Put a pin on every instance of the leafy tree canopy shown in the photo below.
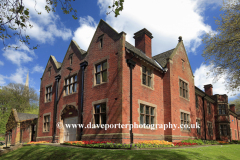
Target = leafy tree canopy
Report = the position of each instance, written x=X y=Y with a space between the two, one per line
x=15 y=17
x=237 y=103
x=222 y=49
x=19 y=97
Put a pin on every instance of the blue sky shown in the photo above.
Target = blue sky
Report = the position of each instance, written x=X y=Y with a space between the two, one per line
x=166 y=20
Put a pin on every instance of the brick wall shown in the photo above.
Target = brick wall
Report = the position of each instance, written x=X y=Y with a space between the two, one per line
x=164 y=95
x=109 y=92
x=234 y=127
x=179 y=103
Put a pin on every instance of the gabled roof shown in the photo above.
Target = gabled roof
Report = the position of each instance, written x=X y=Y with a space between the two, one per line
x=26 y=116
x=16 y=117
x=143 y=56
x=107 y=29
x=22 y=116
x=57 y=64
x=80 y=50
x=163 y=57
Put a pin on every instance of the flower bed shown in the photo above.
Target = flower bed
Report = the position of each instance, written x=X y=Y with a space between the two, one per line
x=108 y=144
x=39 y=142
x=97 y=144
x=223 y=142
x=153 y=144
x=184 y=144
x=201 y=142
x=142 y=144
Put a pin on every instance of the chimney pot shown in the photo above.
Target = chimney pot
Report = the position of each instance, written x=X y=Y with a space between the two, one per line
x=232 y=108
x=208 y=89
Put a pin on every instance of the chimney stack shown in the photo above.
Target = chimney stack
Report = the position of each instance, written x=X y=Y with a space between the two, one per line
x=208 y=89
x=143 y=41
x=232 y=108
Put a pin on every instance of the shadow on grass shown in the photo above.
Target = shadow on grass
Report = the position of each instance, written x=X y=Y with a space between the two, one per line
x=55 y=153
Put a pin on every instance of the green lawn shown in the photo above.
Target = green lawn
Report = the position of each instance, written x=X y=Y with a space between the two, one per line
x=58 y=153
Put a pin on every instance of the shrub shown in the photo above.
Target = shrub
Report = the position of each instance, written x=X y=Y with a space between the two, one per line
x=211 y=142
x=235 y=142
x=2 y=139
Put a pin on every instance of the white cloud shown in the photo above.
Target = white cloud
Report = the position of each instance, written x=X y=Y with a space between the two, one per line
x=19 y=76
x=166 y=20
x=83 y=35
x=46 y=26
x=22 y=55
x=1 y=63
x=203 y=77
x=37 y=68
x=2 y=80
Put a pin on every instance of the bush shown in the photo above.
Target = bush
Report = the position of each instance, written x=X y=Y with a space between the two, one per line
x=235 y=142
x=210 y=142
x=2 y=139
x=201 y=142
x=198 y=141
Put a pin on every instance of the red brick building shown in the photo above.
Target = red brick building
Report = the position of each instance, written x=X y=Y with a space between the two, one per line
x=21 y=127
x=234 y=127
x=205 y=114
x=114 y=82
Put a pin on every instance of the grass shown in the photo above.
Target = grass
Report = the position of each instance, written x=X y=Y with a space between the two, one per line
x=51 y=152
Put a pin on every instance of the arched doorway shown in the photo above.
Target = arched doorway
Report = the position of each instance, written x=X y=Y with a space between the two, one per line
x=69 y=117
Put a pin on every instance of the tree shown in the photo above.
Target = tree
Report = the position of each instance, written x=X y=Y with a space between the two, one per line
x=222 y=49
x=15 y=17
x=237 y=103
x=19 y=97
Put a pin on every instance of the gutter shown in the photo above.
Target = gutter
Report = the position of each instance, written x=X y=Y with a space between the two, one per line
x=164 y=69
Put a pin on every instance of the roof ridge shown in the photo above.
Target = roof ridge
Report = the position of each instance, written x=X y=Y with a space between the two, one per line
x=27 y=113
x=163 y=52
x=139 y=50
x=143 y=56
